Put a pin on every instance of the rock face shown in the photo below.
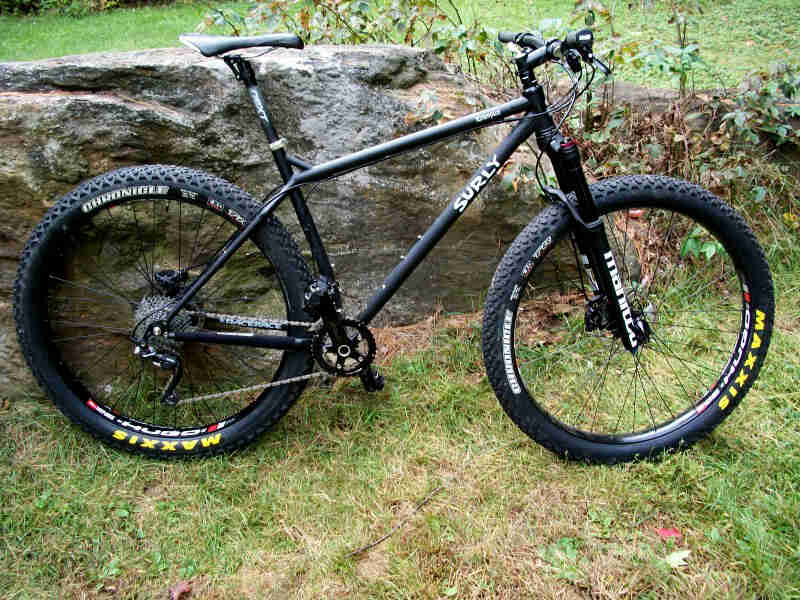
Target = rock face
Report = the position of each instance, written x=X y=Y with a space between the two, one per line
x=65 y=120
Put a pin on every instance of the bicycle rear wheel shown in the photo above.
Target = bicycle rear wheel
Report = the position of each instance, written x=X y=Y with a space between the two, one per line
x=108 y=260
x=691 y=268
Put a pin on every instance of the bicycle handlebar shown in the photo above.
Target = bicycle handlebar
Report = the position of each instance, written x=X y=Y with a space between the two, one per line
x=580 y=41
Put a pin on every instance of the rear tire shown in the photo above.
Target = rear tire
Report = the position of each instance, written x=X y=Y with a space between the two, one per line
x=690 y=265
x=95 y=272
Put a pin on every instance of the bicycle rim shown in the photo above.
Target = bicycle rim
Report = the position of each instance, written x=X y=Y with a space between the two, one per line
x=108 y=277
x=680 y=277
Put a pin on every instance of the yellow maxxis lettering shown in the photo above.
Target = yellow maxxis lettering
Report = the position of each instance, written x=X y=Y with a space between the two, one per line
x=749 y=363
x=211 y=440
x=760 y=317
x=756 y=341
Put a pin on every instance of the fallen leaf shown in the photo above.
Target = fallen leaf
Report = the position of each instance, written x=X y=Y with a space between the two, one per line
x=180 y=591
x=677 y=559
x=666 y=533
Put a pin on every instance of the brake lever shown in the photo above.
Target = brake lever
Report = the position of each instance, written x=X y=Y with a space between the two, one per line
x=601 y=65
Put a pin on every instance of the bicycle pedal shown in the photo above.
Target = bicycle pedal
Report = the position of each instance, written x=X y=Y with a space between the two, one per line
x=372 y=380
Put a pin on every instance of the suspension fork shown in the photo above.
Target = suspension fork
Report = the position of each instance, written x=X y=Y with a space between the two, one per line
x=590 y=235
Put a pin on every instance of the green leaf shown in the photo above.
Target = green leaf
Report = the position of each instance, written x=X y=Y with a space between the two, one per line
x=451 y=591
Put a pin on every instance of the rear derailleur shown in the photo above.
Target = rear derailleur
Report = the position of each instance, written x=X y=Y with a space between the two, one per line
x=341 y=346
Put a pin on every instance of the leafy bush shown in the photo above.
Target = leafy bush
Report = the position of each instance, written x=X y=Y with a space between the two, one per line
x=71 y=8
x=19 y=6
x=770 y=106
x=411 y=22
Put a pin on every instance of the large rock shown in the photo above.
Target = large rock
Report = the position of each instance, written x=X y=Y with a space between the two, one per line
x=65 y=120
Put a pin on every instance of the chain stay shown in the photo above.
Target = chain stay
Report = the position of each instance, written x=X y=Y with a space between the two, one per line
x=254 y=322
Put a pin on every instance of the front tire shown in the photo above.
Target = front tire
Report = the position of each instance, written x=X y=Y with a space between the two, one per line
x=690 y=266
x=107 y=260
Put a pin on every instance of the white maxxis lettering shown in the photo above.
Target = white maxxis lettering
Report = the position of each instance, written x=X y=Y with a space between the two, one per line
x=740 y=347
x=476 y=185
x=139 y=190
x=508 y=359
x=526 y=270
x=178 y=433
x=622 y=301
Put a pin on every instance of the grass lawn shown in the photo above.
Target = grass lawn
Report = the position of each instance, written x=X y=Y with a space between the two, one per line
x=49 y=35
x=503 y=519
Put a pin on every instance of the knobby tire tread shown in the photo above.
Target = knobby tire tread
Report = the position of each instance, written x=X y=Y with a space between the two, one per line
x=552 y=221
x=295 y=269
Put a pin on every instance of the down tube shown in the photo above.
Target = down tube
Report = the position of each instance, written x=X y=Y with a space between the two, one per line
x=480 y=178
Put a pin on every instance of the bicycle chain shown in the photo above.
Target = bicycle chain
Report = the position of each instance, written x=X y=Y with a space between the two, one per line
x=251 y=388
x=256 y=323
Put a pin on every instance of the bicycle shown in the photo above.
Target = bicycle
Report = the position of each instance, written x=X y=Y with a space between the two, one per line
x=136 y=332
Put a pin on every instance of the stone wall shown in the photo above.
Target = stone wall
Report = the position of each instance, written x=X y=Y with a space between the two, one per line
x=68 y=119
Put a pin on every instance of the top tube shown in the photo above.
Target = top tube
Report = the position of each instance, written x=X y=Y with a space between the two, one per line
x=411 y=141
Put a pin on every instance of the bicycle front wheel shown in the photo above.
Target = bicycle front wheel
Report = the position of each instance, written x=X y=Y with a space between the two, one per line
x=691 y=269
x=108 y=261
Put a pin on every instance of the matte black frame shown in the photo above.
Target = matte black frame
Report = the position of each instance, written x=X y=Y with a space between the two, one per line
x=536 y=119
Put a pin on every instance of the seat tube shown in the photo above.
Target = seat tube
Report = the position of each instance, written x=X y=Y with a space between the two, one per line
x=244 y=72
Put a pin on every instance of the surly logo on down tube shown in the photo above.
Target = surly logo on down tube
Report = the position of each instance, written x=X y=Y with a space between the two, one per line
x=476 y=185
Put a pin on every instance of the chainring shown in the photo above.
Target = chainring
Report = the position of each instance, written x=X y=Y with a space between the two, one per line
x=350 y=357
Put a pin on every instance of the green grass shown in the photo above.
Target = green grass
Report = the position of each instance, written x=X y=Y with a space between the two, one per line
x=509 y=520
x=735 y=37
x=51 y=35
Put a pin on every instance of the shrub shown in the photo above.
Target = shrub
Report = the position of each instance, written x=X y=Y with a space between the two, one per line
x=72 y=8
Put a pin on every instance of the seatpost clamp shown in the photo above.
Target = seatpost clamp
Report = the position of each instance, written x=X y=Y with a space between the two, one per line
x=242 y=69
x=278 y=144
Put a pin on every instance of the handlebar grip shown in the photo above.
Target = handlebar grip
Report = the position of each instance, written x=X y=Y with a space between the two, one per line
x=506 y=36
x=528 y=40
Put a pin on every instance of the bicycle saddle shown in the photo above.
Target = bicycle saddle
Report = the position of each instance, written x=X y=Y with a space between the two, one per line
x=214 y=45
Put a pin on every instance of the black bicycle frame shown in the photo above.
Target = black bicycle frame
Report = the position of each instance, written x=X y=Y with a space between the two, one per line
x=562 y=152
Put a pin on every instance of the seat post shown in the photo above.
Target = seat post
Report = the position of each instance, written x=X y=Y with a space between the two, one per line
x=243 y=71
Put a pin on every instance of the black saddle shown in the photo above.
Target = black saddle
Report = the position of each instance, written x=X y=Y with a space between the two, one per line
x=214 y=45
